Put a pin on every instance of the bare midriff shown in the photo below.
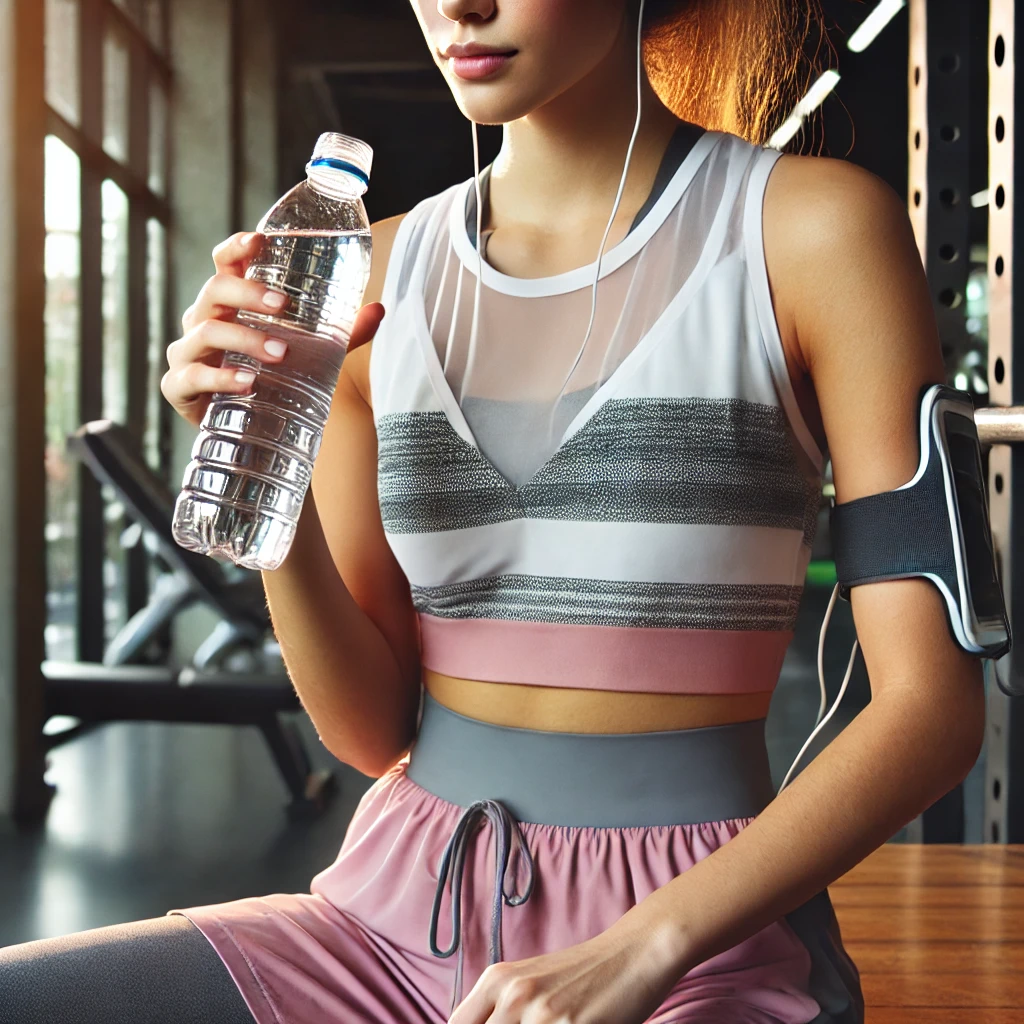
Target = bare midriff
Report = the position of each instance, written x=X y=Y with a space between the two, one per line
x=559 y=709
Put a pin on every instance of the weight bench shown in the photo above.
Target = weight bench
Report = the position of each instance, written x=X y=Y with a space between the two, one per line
x=113 y=456
x=95 y=693
x=119 y=689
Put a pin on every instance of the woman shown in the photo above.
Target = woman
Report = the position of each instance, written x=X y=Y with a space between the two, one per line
x=597 y=612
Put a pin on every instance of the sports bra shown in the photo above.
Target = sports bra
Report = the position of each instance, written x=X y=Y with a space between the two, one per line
x=662 y=545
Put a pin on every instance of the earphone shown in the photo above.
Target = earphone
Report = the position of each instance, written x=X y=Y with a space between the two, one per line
x=604 y=239
x=615 y=205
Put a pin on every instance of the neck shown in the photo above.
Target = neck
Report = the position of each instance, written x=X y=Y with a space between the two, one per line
x=562 y=163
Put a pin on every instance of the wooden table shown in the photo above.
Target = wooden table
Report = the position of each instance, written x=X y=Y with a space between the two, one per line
x=937 y=932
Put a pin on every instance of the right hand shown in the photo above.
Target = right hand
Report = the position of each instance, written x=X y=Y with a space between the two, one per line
x=194 y=372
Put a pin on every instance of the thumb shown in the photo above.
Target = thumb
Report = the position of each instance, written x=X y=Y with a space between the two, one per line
x=365 y=327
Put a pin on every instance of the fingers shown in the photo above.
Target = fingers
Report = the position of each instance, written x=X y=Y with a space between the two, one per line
x=213 y=335
x=482 y=1001
x=193 y=362
x=366 y=323
x=224 y=294
x=199 y=381
x=237 y=251
x=209 y=327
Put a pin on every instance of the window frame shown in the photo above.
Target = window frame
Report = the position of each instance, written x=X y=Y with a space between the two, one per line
x=147 y=67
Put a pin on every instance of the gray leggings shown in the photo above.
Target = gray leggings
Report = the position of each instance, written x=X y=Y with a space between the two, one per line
x=159 y=971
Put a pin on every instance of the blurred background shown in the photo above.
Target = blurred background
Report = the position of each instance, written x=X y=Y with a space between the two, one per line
x=152 y=752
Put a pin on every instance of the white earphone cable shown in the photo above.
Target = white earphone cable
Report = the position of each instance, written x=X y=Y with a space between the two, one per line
x=479 y=240
x=455 y=316
x=440 y=287
x=611 y=219
x=821 y=681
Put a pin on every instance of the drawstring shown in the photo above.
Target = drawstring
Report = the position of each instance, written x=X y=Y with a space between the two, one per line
x=507 y=836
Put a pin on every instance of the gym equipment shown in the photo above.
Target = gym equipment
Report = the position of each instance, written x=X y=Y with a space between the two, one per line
x=203 y=692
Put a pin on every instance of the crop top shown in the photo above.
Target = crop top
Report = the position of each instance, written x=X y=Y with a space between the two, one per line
x=661 y=544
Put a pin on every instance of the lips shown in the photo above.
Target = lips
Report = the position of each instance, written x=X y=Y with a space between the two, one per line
x=473 y=61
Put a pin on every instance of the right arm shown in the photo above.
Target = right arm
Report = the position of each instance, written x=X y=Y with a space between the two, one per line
x=340 y=603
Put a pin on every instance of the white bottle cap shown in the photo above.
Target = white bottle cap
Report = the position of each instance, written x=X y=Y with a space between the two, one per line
x=343 y=153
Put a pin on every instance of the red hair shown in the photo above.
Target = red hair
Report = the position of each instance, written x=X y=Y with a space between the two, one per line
x=738 y=66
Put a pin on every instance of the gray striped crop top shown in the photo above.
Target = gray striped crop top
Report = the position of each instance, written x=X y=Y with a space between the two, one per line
x=661 y=544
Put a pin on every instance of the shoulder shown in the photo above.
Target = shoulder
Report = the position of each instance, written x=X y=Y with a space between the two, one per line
x=384 y=234
x=849 y=278
x=828 y=205
x=835 y=235
x=384 y=231
x=356 y=364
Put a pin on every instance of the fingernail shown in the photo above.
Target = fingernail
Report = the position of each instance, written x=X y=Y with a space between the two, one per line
x=249 y=238
x=274 y=299
x=275 y=348
x=245 y=376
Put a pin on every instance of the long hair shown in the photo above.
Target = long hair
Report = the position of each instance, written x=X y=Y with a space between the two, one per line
x=737 y=66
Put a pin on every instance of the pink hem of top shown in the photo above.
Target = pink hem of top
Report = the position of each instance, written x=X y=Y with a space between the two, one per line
x=623 y=658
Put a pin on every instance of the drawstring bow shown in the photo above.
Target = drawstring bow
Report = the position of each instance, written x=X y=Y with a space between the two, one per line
x=508 y=841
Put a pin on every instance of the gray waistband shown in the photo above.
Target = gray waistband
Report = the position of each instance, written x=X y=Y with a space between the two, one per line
x=681 y=777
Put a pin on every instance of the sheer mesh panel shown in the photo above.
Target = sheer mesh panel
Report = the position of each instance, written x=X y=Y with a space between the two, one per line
x=526 y=344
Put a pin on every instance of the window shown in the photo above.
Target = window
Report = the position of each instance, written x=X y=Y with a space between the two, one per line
x=107 y=218
x=63 y=311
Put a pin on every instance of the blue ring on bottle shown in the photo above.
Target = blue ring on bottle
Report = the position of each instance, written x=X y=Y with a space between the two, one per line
x=341 y=165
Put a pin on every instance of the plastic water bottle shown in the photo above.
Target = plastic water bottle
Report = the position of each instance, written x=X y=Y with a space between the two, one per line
x=253 y=460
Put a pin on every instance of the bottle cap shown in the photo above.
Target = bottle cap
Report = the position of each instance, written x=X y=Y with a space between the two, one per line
x=343 y=153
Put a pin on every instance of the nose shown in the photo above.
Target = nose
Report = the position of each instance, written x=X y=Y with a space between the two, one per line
x=463 y=10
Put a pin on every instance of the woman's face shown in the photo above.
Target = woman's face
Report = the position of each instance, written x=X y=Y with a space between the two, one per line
x=503 y=59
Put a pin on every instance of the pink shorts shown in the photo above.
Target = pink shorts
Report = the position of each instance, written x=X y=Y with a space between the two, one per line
x=557 y=817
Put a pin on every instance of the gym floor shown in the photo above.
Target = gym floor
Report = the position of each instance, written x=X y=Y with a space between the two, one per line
x=150 y=817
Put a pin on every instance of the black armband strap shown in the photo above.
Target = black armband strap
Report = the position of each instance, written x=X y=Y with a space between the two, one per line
x=894 y=535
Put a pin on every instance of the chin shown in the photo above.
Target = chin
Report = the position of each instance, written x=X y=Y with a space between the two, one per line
x=492 y=113
x=494 y=103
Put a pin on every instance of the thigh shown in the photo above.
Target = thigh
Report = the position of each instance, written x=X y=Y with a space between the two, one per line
x=298 y=958
x=794 y=971
x=159 y=971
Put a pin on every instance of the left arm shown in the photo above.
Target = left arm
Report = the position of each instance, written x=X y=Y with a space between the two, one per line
x=849 y=286
x=862 y=312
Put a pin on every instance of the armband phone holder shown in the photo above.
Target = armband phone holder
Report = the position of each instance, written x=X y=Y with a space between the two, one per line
x=936 y=526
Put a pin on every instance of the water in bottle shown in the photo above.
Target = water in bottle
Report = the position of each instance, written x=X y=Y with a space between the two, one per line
x=253 y=459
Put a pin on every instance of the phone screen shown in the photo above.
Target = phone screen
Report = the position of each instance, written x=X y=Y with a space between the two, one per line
x=965 y=457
